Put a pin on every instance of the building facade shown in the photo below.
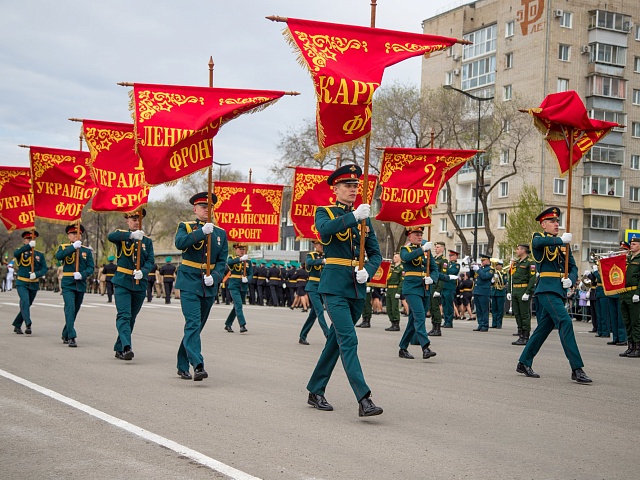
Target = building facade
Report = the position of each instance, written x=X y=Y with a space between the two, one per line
x=529 y=49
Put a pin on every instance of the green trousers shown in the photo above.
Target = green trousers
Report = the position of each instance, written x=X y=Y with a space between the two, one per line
x=393 y=304
x=630 y=315
x=446 y=299
x=237 y=296
x=128 y=305
x=418 y=306
x=436 y=316
x=497 y=310
x=316 y=311
x=196 y=312
x=26 y=296
x=72 y=303
x=522 y=311
x=342 y=342
x=367 y=310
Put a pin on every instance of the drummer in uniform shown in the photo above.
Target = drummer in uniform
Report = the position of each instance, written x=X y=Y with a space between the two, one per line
x=27 y=280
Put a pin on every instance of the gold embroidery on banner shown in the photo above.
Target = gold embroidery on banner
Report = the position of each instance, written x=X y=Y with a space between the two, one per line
x=243 y=101
x=7 y=176
x=101 y=139
x=151 y=103
x=305 y=182
x=320 y=48
x=45 y=161
x=616 y=276
x=412 y=47
x=225 y=193
x=274 y=197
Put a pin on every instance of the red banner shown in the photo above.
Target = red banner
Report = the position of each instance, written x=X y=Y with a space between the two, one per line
x=379 y=279
x=311 y=190
x=562 y=115
x=175 y=125
x=411 y=179
x=346 y=64
x=613 y=272
x=62 y=185
x=249 y=212
x=115 y=167
x=16 y=198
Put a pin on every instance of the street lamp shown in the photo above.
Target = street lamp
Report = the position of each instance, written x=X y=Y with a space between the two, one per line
x=220 y=169
x=477 y=160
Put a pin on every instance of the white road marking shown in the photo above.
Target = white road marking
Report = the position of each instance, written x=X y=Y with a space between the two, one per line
x=140 y=432
x=38 y=304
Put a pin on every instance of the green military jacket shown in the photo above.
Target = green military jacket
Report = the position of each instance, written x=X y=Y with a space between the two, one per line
x=414 y=264
x=446 y=268
x=632 y=280
x=548 y=251
x=395 y=279
x=126 y=257
x=340 y=234
x=22 y=267
x=67 y=255
x=500 y=284
x=239 y=269
x=314 y=264
x=193 y=242
x=523 y=276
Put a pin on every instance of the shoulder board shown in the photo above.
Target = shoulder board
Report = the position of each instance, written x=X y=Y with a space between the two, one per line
x=65 y=245
x=219 y=228
x=121 y=230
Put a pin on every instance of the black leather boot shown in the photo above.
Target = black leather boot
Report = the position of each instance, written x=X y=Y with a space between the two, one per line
x=395 y=327
x=517 y=334
x=631 y=346
x=365 y=323
x=636 y=351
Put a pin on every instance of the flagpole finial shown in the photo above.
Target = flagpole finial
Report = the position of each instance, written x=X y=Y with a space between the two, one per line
x=276 y=18
x=125 y=84
x=23 y=146
x=73 y=119
x=294 y=94
x=211 y=61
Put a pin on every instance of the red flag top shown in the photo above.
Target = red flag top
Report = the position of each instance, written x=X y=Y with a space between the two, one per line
x=175 y=125
x=346 y=64
x=564 y=112
x=16 y=198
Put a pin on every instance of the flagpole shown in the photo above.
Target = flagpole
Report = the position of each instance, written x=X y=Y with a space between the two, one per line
x=433 y=135
x=33 y=229
x=78 y=221
x=139 y=242
x=568 y=226
x=365 y=169
x=209 y=184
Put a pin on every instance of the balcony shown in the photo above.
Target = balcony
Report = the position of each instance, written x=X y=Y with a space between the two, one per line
x=602 y=202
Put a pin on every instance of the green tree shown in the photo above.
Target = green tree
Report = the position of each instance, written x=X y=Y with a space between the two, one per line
x=521 y=222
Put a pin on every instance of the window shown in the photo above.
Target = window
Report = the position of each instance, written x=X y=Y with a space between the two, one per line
x=607 y=87
x=508 y=60
x=636 y=64
x=634 y=162
x=633 y=224
x=503 y=190
x=563 y=84
x=506 y=125
x=290 y=243
x=609 y=116
x=602 y=186
x=484 y=41
x=444 y=195
x=502 y=220
x=443 y=225
x=611 y=54
x=635 y=129
x=506 y=92
x=634 y=194
x=564 y=52
x=606 y=154
x=508 y=29
x=566 y=20
x=559 y=186
x=465 y=220
x=636 y=97
x=478 y=73
x=561 y=220
x=504 y=157
x=448 y=78
x=638 y=32
x=602 y=221
x=305 y=244
x=610 y=21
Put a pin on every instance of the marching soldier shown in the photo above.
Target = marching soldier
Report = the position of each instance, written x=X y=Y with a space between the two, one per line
x=394 y=287
x=448 y=281
x=436 y=301
x=551 y=292
x=630 y=300
x=241 y=270
x=343 y=287
x=482 y=292
x=414 y=288
x=151 y=282
x=314 y=264
x=130 y=283
x=110 y=270
x=523 y=280
x=498 y=295
x=197 y=289
x=74 y=281
x=168 y=273
x=275 y=285
x=27 y=282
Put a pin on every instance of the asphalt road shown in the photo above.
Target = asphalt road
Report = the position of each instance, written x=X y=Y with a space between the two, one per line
x=465 y=413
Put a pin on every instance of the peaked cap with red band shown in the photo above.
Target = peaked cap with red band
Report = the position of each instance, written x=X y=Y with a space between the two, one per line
x=415 y=228
x=28 y=234
x=345 y=174
x=200 y=198
x=551 y=212
x=74 y=229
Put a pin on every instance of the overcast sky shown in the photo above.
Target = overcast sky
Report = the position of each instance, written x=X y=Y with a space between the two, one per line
x=63 y=58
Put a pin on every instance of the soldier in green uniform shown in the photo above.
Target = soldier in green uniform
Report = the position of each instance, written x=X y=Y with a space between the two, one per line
x=343 y=287
x=414 y=288
x=551 y=292
x=394 y=287
x=436 y=314
x=523 y=280
x=74 y=280
x=447 y=284
x=482 y=292
x=27 y=280
x=197 y=289
x=314 y=264
x=129 y=282
x=109 y=271
x=241 y=271
x=630 y=300
x=498 y=295
x=367 y=310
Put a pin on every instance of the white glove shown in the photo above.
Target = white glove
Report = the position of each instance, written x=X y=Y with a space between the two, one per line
x=77 y=276
x=397 y=295
x=208 y=280
x=566 y=283
x=32 y=244
x=324 y=260
x=495 y=276
x=362 y=211
x=595 y=268
x=509 y=296
x=476 y=267
x=244 y=258
x=453 y=277
x=368 y=289
x=427 y=246
x=245 y=280
x=32 y=275
x=635 y=299
x=77 y=244
x=284 y=285
x=266 y=280
x=436 y=294
x=428 y=280
x=586 y=281
x=137 y=235
x=567 y=237
x=525 y=297
x=493 y=280
x=361 y=275
x=137 y=274
x=207 y=228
